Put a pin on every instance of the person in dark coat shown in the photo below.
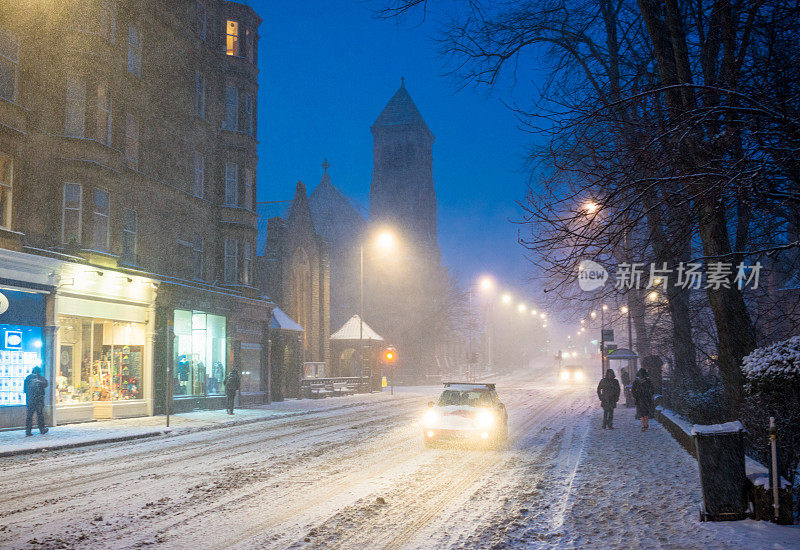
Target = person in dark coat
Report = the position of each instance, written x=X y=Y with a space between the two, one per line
x=232 y=382
x=34 y=387
x=642 y=390
x=608 y=392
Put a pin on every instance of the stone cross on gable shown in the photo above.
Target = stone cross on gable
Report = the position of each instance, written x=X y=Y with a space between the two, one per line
x=325 y=166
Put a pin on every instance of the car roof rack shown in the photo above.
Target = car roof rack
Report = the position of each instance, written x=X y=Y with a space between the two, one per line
x=484 y=384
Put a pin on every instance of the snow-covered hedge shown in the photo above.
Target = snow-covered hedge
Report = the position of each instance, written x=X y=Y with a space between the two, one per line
x=774 y=364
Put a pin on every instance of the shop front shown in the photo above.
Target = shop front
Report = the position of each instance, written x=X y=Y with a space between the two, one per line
x=104 y=346
x=22 y=347
x=202 y=333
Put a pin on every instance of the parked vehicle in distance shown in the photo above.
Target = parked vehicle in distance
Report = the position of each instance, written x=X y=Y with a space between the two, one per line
x=466 y=413
x=573 y=374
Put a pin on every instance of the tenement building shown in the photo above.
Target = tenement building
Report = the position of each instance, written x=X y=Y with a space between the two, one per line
x=127 y=206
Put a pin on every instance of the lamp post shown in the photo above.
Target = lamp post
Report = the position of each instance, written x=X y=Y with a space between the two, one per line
x=385 y=241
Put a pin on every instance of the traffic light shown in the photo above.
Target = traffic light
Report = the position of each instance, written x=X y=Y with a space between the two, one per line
x=389 y=355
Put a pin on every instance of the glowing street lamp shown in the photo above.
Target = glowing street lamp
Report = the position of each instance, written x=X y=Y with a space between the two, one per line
x=521 y=308
x=506 y=299
x=593 y=314
x=624 y=309
x=486 y=283
x=653 y=296
x=591 y=207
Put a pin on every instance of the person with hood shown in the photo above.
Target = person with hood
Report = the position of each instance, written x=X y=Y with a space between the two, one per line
x=232 y=382
x=608 y=392
x=34 y=387
x=642 y=390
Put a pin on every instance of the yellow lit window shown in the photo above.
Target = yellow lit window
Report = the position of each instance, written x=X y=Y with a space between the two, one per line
x=233 y=38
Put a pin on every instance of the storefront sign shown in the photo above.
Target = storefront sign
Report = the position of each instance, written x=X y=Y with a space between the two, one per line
x=21 y=308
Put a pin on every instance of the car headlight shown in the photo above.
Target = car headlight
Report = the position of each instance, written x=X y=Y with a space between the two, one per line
x=485 y=419
x=430 y=418
x=565 y=375
x=578 y=375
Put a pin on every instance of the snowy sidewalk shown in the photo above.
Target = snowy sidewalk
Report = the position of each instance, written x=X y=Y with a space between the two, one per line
x=14 y=442
x=642 y=489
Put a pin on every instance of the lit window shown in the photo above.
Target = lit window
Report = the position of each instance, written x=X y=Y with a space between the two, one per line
x=231 y=261
x=9 y=63
x=247 y=264
x=75 y=111
x=132 y=141
x=201 y=24
x=231 y=184
x=130 y=223
x=199 y=174
x=232 y=43
x=100 y=220
x=135 y=51
x=6 y=179
x=71 y=216
x=248 y=188
x=104 y=106
x=197 y=257
x=249 y=119
x=231 y=121
x=200 y=94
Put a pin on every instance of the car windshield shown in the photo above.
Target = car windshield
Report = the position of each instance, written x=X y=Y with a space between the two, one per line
x=469 y=398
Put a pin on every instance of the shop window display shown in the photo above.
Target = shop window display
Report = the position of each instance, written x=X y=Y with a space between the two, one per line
x=20 y=351
x=99 y=360
x=200 y=354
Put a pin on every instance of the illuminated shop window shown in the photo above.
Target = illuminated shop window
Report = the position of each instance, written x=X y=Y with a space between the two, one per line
x=20 y=351
x=99 y=360
x=200 y=354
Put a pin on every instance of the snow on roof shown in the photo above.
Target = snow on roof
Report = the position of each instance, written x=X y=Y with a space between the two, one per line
x=281 y=321
x=726 y=428
x=468 y=387
x=352 y=330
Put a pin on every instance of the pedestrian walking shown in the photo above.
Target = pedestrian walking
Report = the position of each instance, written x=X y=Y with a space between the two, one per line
x=232 y=382
x=608 y=392
x=642 y=390
x=34 y=387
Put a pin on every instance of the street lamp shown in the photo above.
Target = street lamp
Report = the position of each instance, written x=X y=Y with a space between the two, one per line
x=386 y=242
x=506 y=299
x=486 y=283
x=521 y=308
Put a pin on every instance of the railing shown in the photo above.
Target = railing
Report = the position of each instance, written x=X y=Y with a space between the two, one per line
x=323 y=387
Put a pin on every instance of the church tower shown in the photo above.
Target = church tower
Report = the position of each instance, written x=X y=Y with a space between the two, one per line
x=402 y=193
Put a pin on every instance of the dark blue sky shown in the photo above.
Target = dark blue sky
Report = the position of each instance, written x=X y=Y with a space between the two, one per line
x=328 y=69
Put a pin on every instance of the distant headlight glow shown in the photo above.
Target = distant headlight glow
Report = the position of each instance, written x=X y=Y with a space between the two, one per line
x=485 y=419
x=565 y=375
x=578 y=375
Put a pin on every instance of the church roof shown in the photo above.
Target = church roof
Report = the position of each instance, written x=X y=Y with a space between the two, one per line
x=351 y=330
x=334 y=215
x=401 y=110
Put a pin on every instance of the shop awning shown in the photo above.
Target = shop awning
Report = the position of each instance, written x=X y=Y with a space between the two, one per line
x=621 y=353
x=352 y=330
x=281 y=321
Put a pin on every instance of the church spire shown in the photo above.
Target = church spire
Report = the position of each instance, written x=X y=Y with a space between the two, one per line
x=401 y=112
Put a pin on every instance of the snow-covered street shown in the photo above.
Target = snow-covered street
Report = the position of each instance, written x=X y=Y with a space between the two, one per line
x=359 y=477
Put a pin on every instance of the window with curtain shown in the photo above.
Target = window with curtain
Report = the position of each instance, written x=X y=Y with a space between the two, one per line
x=101 y=215
x=231 y=261
x=132 y=141
x=247 y=264
x=6 y=190
x=248 y=189
x=231 y=121
x=130 y=222
x=104 y=107
x=135 y=51
x=75 y=108
x=199 y=174
x=9 y=65
x=231 y=184
x=71 y=215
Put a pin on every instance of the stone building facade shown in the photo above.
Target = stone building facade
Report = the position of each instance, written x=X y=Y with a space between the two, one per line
x=295 y=273
x=127 y=185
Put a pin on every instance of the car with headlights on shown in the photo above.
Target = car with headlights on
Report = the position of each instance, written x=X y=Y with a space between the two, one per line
x=572 y=374
x=466 y=413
